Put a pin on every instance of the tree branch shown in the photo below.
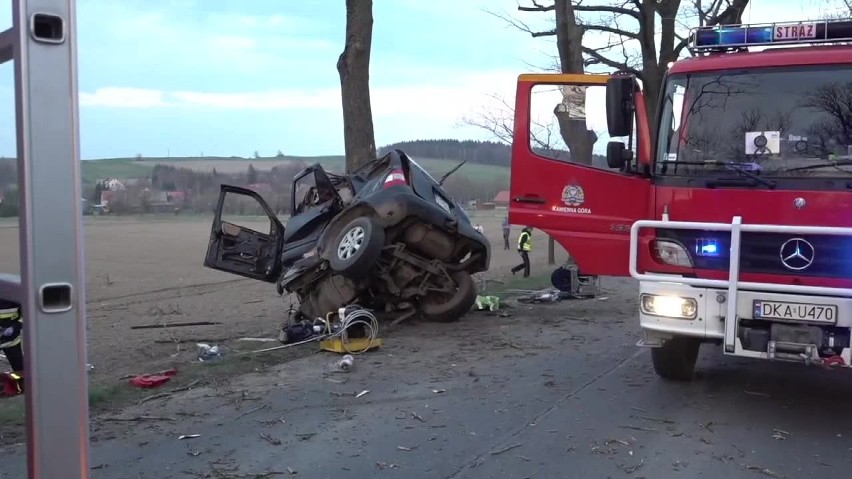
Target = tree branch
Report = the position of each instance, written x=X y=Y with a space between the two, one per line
x=602 y=9
x=610 y=63
x=537 y=7
x=613 y=30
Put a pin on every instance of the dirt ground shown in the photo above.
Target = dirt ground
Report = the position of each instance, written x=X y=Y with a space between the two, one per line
x=148 y=271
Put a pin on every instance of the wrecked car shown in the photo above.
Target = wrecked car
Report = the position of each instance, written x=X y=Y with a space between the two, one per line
x=386 y=236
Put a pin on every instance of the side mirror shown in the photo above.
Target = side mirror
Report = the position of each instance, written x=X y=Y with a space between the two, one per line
x=620 y=91
x=617 y=156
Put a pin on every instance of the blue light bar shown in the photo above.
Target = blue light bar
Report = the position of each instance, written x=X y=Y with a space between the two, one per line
x=727 y=37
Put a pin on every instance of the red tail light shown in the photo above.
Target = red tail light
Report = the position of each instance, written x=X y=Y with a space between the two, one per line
x=395 y=178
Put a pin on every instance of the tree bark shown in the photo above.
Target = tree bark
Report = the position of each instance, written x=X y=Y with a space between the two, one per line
x=353 y=66
x=569 y=42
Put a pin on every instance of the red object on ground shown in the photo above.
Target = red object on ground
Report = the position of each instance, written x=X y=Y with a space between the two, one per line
x=146 y=381
x=833 y=361
x=10 y=386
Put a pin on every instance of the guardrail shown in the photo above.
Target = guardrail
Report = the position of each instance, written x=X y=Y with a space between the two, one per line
x=733 y=283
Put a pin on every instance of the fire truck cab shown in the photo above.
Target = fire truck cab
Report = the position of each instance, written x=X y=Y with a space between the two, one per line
x=733 y=208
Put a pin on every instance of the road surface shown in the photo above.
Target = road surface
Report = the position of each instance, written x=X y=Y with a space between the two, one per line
x=551 y=391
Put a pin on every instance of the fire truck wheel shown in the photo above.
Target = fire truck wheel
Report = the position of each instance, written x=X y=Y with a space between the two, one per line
x=675 y=360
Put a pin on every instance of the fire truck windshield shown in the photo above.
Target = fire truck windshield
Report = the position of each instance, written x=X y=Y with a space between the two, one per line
x=773 y=123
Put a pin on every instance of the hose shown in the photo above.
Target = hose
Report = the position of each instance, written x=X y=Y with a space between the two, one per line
x=352 y=315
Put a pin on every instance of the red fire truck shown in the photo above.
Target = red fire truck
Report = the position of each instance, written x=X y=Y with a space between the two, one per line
x=735 y=214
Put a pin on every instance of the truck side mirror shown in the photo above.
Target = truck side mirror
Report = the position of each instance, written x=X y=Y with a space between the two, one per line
x=617 y=156
x=620 y=91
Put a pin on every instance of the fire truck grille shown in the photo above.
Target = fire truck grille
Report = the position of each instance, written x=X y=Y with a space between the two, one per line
x=821 y=256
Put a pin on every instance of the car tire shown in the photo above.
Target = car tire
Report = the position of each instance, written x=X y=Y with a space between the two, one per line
x=445 y=308
x=356 y=248
x=675 y=359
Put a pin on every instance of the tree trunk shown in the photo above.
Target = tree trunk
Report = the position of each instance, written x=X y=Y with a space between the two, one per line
x=353 y=66
x=569 y=42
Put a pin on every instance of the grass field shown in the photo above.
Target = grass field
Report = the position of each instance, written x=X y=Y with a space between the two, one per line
x=131 y=167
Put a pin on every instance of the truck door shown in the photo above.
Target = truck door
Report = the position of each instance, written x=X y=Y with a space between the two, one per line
x=560 y=181
x=246 y=237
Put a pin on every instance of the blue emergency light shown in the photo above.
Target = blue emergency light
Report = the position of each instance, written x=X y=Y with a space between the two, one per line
x=707 y=247
x=726 y=37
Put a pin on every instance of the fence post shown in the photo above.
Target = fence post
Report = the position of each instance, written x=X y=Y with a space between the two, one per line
x=551 y=253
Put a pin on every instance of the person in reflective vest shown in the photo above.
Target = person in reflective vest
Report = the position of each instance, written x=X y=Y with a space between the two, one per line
x=11 y=323
x=524 y=249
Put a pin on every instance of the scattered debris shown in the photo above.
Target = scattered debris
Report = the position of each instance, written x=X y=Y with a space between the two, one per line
x=270 y=439
x=306 y=436
x=490 y=303
x=439 y=391
x=169 y=393
x=781 y=434
x=763 y=470
x=176 y=325
x=657 y=419
x=403 y=448
x=384 y=465
x=345 y=363
x=755 y=393
x=207 y=352
x=417 y=416
x=291 y=471
x=188 y=436
x=253 y=410
x=706 y=426
x=140 y=418
x=638 y=428
x=146 y=381
x=633 y=468
x=506 y=449
x=362 y=393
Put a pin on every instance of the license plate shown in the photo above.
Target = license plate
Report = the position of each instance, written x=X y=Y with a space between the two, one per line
x=822 y=313
x=801 y=31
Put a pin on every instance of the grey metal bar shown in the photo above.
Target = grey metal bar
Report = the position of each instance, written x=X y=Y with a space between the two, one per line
x=52 y=281
x=10 y=287
x=7 y=45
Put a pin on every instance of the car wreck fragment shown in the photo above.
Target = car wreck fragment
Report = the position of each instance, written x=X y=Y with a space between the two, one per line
x=385 y=236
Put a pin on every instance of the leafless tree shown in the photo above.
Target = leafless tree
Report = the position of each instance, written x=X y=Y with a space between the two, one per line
x=630 y=27
x=353 y=66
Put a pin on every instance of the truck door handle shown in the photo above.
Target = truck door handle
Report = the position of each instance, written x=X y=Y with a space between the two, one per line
x=530 y=199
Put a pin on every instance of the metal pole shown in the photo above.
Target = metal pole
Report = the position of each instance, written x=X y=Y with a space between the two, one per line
x=551 y=253
x=51 y=286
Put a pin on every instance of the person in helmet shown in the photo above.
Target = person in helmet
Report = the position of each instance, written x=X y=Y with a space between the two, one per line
x=11 y=324
x=524 y=249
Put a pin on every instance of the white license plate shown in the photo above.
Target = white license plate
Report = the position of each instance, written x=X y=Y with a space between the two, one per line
x=822 y=313
x=801 y=31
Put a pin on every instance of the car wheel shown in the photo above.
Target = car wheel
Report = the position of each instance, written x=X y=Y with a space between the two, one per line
x=447 y=307
x=356 y=248
x=675 y=359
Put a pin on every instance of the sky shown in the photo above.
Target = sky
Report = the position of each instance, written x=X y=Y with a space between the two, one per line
x=235 y=77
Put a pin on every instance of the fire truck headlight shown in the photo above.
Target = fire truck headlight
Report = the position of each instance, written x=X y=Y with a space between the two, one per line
x=671 y=252
x=668 y=306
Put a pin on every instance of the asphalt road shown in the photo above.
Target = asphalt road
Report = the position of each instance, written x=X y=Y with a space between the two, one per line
x=556 y=391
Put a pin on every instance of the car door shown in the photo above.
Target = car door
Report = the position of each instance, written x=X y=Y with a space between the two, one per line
x=560 y=182
x=242 y=244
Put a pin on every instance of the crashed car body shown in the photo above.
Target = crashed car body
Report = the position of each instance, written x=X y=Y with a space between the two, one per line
x=386 y=236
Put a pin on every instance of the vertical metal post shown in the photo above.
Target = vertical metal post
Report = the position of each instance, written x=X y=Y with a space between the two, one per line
x=733 y=278
x=551 y=250
x=51 y=291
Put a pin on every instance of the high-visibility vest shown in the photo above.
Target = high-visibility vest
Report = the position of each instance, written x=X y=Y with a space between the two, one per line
x=525 y=242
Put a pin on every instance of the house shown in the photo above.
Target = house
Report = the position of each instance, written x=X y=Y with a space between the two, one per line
x=502 y=199
x=175 y=196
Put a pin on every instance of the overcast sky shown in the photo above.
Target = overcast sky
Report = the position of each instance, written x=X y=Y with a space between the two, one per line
x=230 y=77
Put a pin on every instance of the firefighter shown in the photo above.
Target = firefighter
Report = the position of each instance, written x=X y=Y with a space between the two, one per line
x=11 y=323
x=524 y=249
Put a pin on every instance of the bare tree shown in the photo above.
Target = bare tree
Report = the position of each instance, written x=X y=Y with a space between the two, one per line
x=353 y=66
x=629 y=25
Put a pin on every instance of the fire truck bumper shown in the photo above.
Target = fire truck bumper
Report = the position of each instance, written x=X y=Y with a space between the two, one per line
x=780 y=326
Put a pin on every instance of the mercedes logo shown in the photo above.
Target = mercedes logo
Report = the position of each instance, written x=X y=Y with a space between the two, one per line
x=799 y=203
x=797 y=254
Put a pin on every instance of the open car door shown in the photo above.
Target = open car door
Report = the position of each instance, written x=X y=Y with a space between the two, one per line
x=244 y=244
x=561 y=183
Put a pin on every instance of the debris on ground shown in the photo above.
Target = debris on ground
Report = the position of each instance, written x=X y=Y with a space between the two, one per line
x=207 y=352
x=490 y=303
x=362 y=393
x=344 y=364
x=188 y=436
x=147 y=381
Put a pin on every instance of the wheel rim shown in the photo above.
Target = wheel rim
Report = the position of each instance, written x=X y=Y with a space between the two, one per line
x=351 y=243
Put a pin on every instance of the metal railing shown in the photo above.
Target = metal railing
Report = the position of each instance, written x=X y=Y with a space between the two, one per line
x=733 y=283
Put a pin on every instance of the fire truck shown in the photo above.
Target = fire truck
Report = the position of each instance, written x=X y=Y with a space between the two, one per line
x=733 y=210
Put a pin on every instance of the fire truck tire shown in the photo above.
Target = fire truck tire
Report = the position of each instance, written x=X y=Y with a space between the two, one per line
x=675 y=360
